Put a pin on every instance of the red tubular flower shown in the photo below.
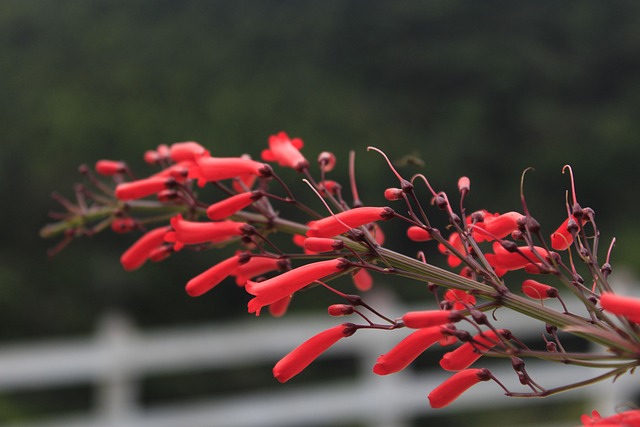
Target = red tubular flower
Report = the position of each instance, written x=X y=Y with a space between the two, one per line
x=231 y=205
x=418 y=234
x=140 y=251
x=624 y=419
x=515 y=260
x=536 y=290
x=362 y=280
x=302 y=356
x=244 y=182
x=562 y=238
x=192 y=233
x=459 y=298
x=619 y=305
x=322 y=244
x=280 y=307
x=298 y=240
x=345 y=221
x=256 y=266
x=271 y=290
x=189 y=150
x=454 y=240
x=142 y=187
x=161 y=253
x=457 y=384
x=534 y=268
x=110 y=167
x=464 y=356
x=178 y=171
x=219 y=168
x=429 y=318
x=285 y=151
x=205 y=281
x=407 y=350
x=377 y=232
x=496 y=227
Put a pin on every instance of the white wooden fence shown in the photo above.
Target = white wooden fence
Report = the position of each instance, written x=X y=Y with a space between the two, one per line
x=119 y=356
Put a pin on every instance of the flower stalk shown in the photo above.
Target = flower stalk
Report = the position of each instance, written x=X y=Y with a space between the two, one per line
x=481 y=250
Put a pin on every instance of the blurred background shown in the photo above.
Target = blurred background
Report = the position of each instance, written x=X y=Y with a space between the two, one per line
x=447 y=88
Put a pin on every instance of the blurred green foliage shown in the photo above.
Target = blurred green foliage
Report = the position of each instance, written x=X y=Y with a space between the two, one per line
x=483 y=89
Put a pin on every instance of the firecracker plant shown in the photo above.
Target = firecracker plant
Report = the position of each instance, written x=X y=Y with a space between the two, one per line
x=481 y=248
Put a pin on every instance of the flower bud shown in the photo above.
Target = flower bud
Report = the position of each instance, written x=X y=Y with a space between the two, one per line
x=392 y=194
x=110 y=167
x=464 y=185
x=327 y=161
x=338 y=310
x=418 y=234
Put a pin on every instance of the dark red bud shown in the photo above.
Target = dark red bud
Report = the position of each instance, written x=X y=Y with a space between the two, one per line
x=479 y=317
x=441 y=202
x=576 y=211
x=509 y=246
x=406 y=186
x=572 y=226
x=517 y=363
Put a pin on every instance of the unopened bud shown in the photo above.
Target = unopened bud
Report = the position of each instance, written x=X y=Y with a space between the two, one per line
x=479 y=317
x=509 y=246
x=110 y=167
x=572 y=226
x=464 y=185
x=327 y=161
x=393 y=194
x=532 y=225
x=522 y=377
x=441 y=202
x=418 y=234
x=406 y=186
x=517 y=363
x=576 y=211
x=329 y=186
x=340 y=310
x=123 y=224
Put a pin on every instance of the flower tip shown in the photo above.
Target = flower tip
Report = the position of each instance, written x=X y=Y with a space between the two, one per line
x=193 y=290
x=455 y=385
x=380 y=368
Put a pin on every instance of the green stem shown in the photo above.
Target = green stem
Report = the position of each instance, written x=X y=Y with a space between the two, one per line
x=549 y=392
x=403 y=266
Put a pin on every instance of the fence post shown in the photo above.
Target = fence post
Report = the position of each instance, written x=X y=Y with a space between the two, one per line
x=117 y=391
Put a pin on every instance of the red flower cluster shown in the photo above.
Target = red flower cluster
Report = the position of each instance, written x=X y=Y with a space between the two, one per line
x=623 y=419
x=480 y=250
